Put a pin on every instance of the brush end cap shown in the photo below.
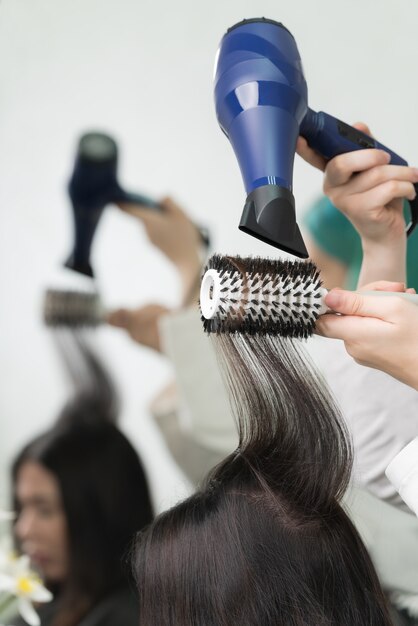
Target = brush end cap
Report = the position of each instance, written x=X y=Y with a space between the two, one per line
x=210 y=294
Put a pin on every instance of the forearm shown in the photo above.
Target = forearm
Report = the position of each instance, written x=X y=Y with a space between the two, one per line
x=383 y=261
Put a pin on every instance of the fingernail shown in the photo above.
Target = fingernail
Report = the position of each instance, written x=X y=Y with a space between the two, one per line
x=334 y=298
x=387 y=155
x=415 y=172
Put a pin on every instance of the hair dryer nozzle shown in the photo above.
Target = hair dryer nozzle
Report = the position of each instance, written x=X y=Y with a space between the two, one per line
x=269 y=215
x=80 y=267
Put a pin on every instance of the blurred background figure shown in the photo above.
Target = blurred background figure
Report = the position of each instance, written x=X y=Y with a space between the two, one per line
x=192 y=412
x=81 y=495
x=118 y=76
x=70 y=67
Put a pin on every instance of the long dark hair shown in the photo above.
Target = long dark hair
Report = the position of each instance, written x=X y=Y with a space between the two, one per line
x=265 y=541
x=103 y=486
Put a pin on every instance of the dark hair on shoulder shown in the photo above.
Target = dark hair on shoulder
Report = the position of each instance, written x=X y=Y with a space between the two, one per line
x=104 y=488
x=266 y=540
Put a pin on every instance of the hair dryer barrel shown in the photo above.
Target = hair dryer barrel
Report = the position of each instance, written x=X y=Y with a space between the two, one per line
x=261 y=100
x=269 y=211
x=92 y=183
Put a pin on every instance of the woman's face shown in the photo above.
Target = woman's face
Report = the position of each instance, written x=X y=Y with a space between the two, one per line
x=41 y=526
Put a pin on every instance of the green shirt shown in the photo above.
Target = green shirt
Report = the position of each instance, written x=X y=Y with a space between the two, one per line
x=334 y=234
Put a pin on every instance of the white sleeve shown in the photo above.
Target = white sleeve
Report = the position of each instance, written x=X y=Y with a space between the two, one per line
x=205 y=412
x=402 y=472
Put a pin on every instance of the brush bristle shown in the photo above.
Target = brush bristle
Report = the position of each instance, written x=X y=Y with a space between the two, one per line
x=72 y=309
x=265 y=296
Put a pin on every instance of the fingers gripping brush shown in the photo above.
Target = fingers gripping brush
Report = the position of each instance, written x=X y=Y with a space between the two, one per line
x=93 y=185
x=261 y=100
x=254 y=295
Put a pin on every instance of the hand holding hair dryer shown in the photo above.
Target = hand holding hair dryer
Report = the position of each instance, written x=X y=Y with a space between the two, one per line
x=261 y=100
x=93 y=185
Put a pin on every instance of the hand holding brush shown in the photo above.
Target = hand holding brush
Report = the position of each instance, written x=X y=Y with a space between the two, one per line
x=370 y=193
x=378 y=333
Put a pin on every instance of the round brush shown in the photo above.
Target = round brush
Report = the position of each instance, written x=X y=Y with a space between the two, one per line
x=254 y=295
x=72 y=309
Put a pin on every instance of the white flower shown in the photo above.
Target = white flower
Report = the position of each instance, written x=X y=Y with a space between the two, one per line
x=19 y=581
x=407 y=601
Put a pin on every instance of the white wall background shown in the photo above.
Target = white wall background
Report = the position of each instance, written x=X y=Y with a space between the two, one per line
x=142 y=71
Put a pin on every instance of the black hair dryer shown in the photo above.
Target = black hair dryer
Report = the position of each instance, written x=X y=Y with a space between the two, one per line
x=93 y=185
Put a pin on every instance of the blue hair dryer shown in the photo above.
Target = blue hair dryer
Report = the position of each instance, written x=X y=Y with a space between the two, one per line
x=261 y=103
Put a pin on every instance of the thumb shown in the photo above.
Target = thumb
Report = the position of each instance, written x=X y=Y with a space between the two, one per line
x=137 y=210
x=353 y=303
x=170 y=205
x=120 y=318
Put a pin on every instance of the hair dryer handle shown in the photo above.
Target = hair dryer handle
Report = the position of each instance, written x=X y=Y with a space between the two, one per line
x=329 y=136
x=137 y=198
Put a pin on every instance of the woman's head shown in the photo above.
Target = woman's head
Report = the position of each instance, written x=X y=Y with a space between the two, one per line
x=81 y=495
x=81 y=492
x=41 y=528
x=265 y=541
